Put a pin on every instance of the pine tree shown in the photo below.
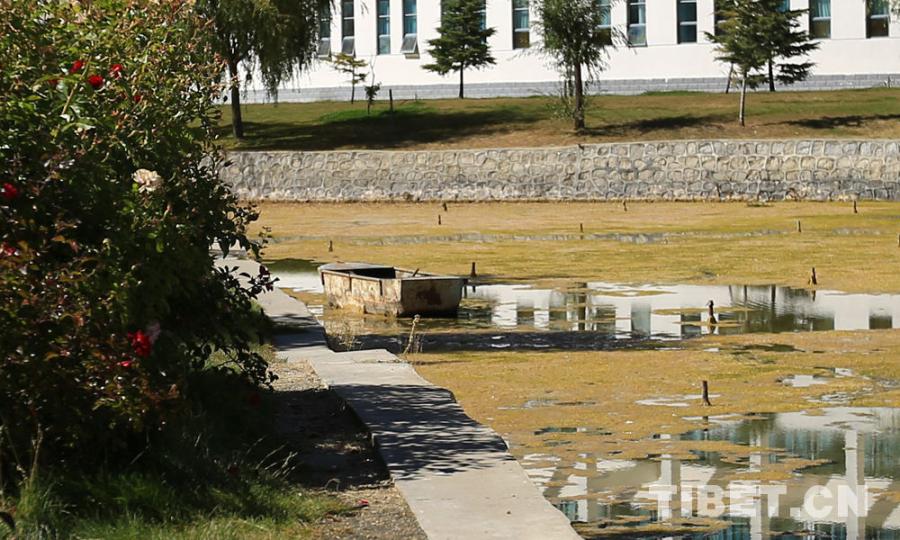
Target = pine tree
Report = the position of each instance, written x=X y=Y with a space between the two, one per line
x=785 y=40
x=463 y=40
x=755 y=33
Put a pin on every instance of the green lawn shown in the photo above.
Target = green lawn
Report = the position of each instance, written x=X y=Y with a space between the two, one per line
x=514 y=122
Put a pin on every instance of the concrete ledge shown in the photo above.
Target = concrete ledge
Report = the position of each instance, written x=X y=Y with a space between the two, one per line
x=456 y=474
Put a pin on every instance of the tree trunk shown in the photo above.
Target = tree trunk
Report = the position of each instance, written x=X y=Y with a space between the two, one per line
x=579 y=99
x=237 y=121
x=743 y=97
x=353 y=89
x=771 y=76
x=730 y=76
x=461 y=70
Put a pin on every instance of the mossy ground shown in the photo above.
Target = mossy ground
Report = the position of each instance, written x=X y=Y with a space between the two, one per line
x=701 y=243
x=698 y=243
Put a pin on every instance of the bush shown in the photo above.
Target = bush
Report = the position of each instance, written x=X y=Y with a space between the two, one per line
x=109 y=299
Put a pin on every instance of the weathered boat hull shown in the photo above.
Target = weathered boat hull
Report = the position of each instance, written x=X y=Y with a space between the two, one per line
x=390 y=291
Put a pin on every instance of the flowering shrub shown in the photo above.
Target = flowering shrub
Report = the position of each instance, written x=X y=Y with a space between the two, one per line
x=109 y=299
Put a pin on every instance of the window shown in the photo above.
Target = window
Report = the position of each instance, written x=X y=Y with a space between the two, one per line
x=482 y=14
x=410 y=26
x=325 y=33
x=637 y=22
x=605 y=28
x=384 y=26
x=820 y=19
x=687 y=21
x=348 y=28
x=521 y=30
x=878 y=17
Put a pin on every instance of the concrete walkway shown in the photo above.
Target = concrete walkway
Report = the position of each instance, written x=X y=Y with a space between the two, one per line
x=456 y=474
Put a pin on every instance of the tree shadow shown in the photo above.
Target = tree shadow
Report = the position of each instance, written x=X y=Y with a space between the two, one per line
x=510 y=340
x=333 y=448
x=382 y=129
x=421 y=430
x=849 y=121
x=648 y=125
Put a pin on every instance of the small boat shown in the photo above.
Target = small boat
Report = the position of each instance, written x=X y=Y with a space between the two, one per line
x=387 y=290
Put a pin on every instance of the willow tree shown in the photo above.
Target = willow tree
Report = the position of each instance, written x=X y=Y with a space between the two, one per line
x=272 y=38
x=576 y=34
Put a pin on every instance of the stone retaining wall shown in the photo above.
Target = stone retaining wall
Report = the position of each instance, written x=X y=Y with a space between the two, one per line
x=673 y=170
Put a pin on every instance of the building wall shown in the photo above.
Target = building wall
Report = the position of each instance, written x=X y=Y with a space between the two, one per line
x=847 y=59
x=667 y=170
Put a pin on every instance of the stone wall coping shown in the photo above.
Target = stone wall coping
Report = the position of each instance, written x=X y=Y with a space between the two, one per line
x=562 y=147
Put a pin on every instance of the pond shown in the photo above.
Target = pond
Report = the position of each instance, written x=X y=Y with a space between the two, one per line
x=830 y=473
x=597 y=315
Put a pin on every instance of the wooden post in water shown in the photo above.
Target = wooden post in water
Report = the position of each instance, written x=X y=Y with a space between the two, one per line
x=472 y=274
x=625 y=205
x=581 y=228
x=330 y=246
x=705 y=394
x=855 y=211
x=439 y=219
x=812 y=278
x=444 y=206
x=799 y=227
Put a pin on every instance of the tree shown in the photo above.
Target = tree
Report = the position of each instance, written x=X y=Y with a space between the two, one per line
x=574 y=36
x=463 y=40
x=277 y=37
x=745 y=41
x=110 y=303
x=784 y=40
x=350 y=66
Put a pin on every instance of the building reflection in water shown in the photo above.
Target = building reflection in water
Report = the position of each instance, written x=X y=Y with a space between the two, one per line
x=860 y=449
x=663 y=311
x=679 y=310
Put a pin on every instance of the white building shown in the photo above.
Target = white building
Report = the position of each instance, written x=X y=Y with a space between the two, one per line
x=668 y=50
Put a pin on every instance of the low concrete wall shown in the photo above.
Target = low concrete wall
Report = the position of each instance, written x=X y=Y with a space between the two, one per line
x=673 y=170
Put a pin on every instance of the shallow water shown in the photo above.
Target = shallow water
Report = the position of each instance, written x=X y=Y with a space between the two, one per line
x=596 y=315
x=845 y=453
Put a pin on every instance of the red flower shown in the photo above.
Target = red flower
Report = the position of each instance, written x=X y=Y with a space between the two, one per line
x=137 y=98
x=96 y=81
x=140 y=342
x=116 y=71
x=9 y=192
x=76 y=66
x=124 y=363
x=53 y=82
x=7 y=250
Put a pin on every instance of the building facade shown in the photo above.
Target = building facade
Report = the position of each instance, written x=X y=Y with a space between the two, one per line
x=667 y=48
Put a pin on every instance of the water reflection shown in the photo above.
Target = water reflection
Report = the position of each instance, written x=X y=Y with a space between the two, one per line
x=591 y=314
x=850 y=487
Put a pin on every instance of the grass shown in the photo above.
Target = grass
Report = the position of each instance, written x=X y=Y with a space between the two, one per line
x=701 y=243
x=526 y=122
x=217 y=470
